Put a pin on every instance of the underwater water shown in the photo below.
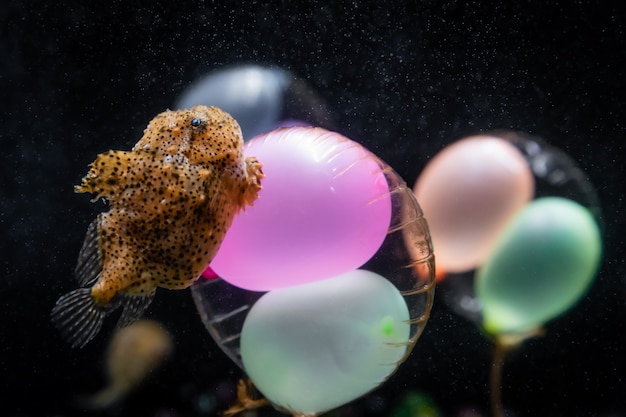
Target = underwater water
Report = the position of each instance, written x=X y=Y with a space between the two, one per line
x=403 y=79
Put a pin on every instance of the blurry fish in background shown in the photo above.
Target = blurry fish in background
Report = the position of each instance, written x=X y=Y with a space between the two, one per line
x=134 y=353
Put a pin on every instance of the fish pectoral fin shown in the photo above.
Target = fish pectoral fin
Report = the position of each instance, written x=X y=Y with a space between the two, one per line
x=134 y=306
x=78 y=317
x=89 y=263
x=254 y=175
x=111 y=172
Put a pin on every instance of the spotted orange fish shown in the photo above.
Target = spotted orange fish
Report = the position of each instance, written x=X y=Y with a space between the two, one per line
x=172 y=198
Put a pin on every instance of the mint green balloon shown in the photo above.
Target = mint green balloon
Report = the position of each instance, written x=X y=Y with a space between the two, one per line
x=314 y=347
x=544 y=261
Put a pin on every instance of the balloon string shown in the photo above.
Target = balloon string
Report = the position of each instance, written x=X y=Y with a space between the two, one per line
x=495 y=379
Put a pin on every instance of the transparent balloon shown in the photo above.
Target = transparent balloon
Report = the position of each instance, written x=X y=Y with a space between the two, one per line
x=556 y=173
x=355 y=328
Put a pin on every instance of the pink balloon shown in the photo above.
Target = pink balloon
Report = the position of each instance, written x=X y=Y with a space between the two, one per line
x=469 y=192
x=324 y=210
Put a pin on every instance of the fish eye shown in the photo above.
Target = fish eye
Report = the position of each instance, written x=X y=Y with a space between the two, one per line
x=195 y=122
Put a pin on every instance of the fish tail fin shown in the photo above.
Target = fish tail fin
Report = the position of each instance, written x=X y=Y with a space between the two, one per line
x=78 y=317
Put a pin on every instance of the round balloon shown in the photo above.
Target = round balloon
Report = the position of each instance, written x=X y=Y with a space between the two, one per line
x=324 y=210
x=314 y=347
x=469 y=192
x=543 y=262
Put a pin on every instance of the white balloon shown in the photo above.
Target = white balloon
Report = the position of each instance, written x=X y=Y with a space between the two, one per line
x=314 y=347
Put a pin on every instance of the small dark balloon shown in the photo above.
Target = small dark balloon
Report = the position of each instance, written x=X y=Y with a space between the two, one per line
x=259 y=97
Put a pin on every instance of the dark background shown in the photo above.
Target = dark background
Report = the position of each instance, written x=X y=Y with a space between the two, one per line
x=404 y=78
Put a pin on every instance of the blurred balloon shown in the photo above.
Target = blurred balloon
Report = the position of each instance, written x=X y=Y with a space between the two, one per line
x=334 y=327
x=469 y=192
x=555 y=174
x=324 y=210
x=313 y=347
x=415 y=404
x=543 y=262
x=133 y=353
x=258 y=97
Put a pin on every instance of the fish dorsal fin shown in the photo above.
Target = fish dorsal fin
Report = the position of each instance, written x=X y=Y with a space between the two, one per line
x=89 y=263
x=134 y=306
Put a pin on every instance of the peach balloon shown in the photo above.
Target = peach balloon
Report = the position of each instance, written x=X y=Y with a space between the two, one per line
x=469 y=192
